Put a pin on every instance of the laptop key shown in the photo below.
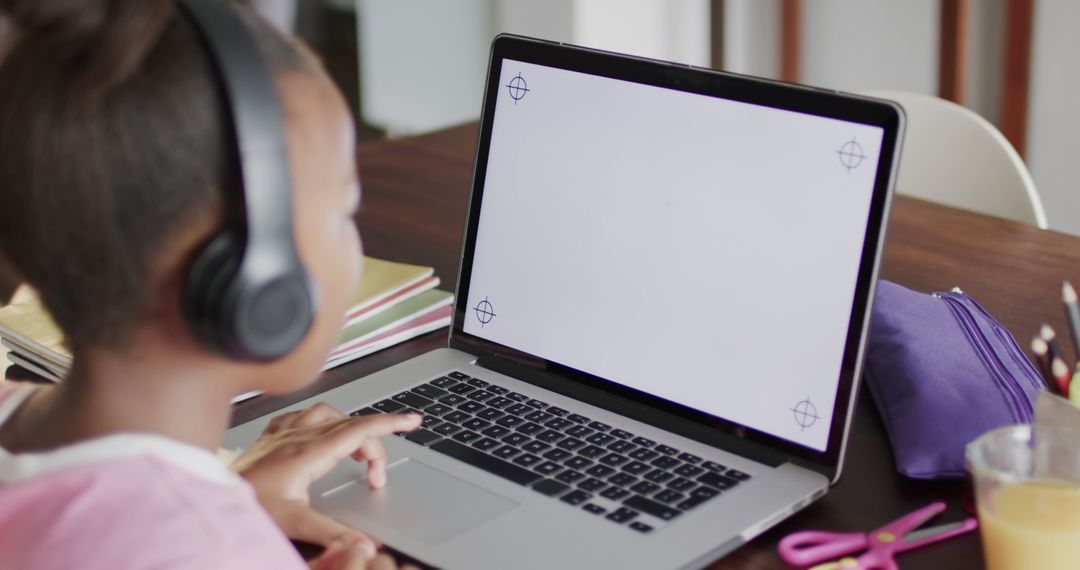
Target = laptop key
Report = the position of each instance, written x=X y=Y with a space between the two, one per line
x=622 y=446
x=430 y=422
x=642 y=454
x=495 y=431
x=490 y=414
x=475 y=424
x=514 y=438
x=510 y=421
x=549 y=468
x=388 y=406
x=557 y=454
x=594 y=509
x=592 y=451
x=447 y=429
x=622 y=515
x=559 y=423
x=471 y=407
x=592 y=485
x=688 y=470
x=527 y=460
x=717 y=480
x=681 y=484
x=506 y=452
x=477 y=382
x=666 y=450
x=492 y=465
x=636 y=468
x=621 y=434
x=517 y=397
x=456 y=417
x=645 y=488
x=737 y=475
x=658 y=510
x=599 y=426
x=665 y=462
x=480 y=395
x=577 y=462
x=599 y=471
x=643 y=442
x=437 y=410
x=550 y=436
x=452 y=399
x=704 y=493
x=465 y=436
x=537 y=404
x=549 y=487
x=579 y=431
x=570 y=443
x=623 y=479
x=443 y=382
x=485 y=444
x=668 y=496
x=640 y=527
x=519 y=409
x=423 y=437
x=499 y=402
x=600 y=439
x=691 y=503
x=615 y=494
x=499 y=390
x=458 y=375
x=715 y=467
x=690 y=458
x=429 y=391
x=529 y=428
x=535 y=446
x=578 y=418
x=365 y=412
x=570 y=476
x=658 y=476
x=557 y=411
x=614 y=459
x=462 y=389
x=539 y=417
x=575 y=497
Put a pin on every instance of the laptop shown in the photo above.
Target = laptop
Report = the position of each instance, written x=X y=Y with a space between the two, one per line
x=664 y=293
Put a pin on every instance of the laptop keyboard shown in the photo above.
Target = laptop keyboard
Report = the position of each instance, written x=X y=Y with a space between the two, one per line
x=557 y=452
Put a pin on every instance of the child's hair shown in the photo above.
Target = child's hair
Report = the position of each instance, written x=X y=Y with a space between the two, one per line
x=113 y=137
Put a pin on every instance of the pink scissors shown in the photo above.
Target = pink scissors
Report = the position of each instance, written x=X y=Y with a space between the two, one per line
x=815 y=547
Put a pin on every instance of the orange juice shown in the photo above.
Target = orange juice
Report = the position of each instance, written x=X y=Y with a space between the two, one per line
x=1032 y=525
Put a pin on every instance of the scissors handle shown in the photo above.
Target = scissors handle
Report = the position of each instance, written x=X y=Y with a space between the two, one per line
x=812 y=546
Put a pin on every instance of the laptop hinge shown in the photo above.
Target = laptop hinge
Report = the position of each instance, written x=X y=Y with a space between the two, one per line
x=750 y=450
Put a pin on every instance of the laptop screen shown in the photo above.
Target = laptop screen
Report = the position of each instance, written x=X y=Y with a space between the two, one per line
x=702 y=250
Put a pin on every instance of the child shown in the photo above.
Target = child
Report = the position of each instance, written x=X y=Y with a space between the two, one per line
x=116 y=167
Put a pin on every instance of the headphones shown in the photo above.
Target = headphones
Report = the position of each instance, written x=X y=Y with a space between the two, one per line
x=247 y=295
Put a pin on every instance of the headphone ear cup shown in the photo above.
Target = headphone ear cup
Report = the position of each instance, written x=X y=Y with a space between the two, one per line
x=206 y=289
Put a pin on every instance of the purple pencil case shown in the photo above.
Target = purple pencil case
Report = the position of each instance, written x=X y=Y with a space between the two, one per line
x=942 y=372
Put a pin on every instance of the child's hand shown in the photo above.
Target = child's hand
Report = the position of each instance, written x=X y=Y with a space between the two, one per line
x=300 y=447
x=345 y=555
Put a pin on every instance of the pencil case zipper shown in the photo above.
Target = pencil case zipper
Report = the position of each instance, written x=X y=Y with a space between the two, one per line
x=1008 y=384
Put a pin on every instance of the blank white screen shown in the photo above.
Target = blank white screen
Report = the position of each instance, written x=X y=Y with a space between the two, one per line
x=698 y=249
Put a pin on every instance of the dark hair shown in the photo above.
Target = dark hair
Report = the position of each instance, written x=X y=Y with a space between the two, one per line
x=113 y=137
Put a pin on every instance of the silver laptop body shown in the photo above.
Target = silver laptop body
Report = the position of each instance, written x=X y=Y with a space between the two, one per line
x=665 y=329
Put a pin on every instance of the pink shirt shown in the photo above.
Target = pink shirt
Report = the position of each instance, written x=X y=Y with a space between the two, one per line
x=130 y=501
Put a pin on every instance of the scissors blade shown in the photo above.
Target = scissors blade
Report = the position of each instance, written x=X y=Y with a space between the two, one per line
x=931 y=531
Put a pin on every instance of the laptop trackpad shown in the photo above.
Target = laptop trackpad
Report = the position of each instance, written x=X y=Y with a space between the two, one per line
x=423 y=502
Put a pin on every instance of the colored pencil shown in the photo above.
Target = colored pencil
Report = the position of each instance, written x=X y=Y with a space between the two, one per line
x=1072 y=314
x=1047 y=333
x=1061 y=375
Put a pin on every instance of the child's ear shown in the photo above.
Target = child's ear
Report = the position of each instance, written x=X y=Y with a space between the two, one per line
x=9 y=280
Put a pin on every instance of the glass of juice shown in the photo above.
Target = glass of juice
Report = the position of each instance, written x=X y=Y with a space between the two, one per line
x=1027 y=490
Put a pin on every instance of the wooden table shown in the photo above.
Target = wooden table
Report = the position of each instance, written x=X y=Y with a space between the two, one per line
x=414 y=201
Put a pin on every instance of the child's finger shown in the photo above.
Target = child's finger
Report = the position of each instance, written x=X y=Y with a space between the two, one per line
x=317 y=414
x=383 y=562
x=309 y=525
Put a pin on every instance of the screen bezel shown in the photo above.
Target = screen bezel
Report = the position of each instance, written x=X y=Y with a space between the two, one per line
x=798 y=98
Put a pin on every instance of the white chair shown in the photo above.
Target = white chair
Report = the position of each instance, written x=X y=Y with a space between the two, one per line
x=953 y=156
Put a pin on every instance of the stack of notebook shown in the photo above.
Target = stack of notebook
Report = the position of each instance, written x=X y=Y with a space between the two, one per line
x=394 y=303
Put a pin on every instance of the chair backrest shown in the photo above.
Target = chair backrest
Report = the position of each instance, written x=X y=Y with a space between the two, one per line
x=955 y=157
